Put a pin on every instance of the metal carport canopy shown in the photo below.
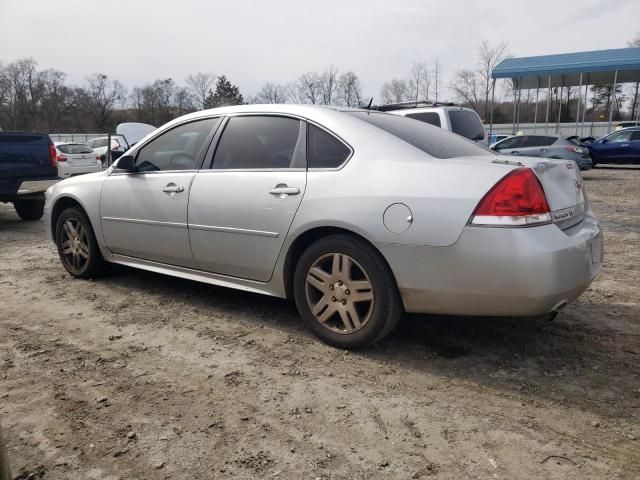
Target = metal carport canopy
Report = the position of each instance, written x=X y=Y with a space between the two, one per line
x=597 y=67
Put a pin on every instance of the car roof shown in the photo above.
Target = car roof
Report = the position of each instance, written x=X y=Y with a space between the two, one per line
x=430 y=109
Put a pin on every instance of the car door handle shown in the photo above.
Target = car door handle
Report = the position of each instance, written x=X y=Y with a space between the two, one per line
x=544 y=149
x=282 y=190
x=624 y=145
x=173 y=188
x=515 y=153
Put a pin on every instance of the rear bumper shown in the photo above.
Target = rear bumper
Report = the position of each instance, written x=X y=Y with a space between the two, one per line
x=68 y=170
x=35 y=186
x=13 y=189
x=499 y=271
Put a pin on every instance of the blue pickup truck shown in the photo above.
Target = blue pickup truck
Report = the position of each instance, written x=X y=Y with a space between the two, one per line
x=28 y=166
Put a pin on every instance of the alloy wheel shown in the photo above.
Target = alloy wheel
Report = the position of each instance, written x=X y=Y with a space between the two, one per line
x=339 y=293
x=74 y=244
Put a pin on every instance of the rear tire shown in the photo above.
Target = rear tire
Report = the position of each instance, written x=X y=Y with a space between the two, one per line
x=77 y=245
x=345 y=292
x=29 y=209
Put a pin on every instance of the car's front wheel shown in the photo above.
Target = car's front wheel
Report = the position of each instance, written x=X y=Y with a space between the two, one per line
x=77 y=245
x=345 y=292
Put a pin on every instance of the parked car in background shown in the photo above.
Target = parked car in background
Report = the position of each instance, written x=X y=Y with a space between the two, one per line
x=133 y=132
x=28 y=166
x=621 y=125
x=622 y=146
x=495 y=138
x=119 y=145
x=76 y=159
x=460 y=120
x=358 y=215
x=546 y=146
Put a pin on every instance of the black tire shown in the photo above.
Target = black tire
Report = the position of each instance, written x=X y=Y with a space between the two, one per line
x=384 y=311
x=29 y=209
x=91 y=266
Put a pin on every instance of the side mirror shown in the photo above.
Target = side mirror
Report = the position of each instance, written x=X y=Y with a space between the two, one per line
x=126 y=163
x=605 y=140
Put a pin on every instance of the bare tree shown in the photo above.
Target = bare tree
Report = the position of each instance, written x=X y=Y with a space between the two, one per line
x=490 y=56
x=349 y=89
x=58 y=100
x=395 y=91
x=309 y=89
x=467 y=88
x=200 y=83
x=328 y=85
x=100 y=98
x=25 y=89
x=437 y=80
x=419 y=82
x=272 y=93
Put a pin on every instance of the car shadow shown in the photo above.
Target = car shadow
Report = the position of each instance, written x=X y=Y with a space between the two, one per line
x=572 y=360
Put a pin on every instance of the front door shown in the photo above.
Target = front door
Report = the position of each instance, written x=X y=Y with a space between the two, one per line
x=241 y=209
x=144 y=213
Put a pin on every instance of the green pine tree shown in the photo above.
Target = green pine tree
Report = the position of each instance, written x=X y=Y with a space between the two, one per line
x=225 y=94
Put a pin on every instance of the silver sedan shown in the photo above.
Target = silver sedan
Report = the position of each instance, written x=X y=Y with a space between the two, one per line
x=359 y=216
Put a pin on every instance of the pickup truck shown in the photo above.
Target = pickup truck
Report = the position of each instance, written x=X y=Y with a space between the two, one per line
x=28 y=166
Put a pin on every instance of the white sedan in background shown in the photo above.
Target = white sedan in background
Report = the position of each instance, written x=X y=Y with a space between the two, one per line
x=76 y=159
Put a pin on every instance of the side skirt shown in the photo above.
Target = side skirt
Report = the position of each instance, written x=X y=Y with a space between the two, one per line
x=199 y=275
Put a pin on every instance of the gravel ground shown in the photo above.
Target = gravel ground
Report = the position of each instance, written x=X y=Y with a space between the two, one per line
x=142 y=376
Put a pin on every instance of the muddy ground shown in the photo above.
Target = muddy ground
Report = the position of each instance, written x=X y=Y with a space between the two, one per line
x=142 y=376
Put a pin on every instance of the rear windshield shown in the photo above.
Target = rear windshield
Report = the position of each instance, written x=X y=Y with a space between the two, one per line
x=467 y=124
x=575 y=141
x=432 y=140
x=74 y=148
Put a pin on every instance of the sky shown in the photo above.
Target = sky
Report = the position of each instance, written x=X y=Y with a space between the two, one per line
x=254 y=42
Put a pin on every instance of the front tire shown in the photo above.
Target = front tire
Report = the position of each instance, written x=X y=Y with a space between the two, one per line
x=345 y=292
x=29 y=210
x=77 y=245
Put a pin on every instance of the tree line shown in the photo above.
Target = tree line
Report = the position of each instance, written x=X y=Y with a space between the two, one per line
x=32 y=99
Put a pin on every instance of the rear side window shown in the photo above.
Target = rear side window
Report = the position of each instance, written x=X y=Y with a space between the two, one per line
x=635 y=135
x=261 y=142
x=538 y=141
x=432 y=118
x=432 y=140
x=74 y=148
x=176 y=149
x=325 y=150
x=467 y=124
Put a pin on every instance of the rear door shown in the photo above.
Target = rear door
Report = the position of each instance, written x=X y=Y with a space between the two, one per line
x=634 y=147
x=241 y=208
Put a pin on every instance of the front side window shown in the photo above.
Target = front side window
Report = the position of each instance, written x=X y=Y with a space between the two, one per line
x=325 y=150
x=176 y=149
x=432 y=118
x=467 y=124
x=620 y=137
x=508 y=143
x=261 y=142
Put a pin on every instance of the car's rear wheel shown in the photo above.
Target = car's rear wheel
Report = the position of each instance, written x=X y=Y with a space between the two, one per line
x=77 y=245
x=29 y=209
x=345 y=292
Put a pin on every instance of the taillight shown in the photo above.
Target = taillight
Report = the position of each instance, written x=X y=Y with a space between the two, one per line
x=575 y=149
x=516 y=200
x=61 y=158
x=53 y=155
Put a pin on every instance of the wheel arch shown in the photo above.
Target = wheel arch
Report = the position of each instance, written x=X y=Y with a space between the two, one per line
x=305 y=239
x=59 y=206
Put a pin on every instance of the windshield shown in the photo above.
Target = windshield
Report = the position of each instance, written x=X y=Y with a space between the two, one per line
x=432 y=140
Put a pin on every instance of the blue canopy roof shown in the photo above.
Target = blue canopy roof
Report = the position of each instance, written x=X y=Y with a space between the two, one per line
x=596 y=67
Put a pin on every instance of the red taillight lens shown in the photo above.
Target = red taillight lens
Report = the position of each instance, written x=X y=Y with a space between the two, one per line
x=517 y=199
x=53 y=157
x=572 y=149
x=61 y=158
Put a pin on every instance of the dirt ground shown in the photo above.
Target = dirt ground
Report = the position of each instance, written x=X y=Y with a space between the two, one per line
x=141 y=376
